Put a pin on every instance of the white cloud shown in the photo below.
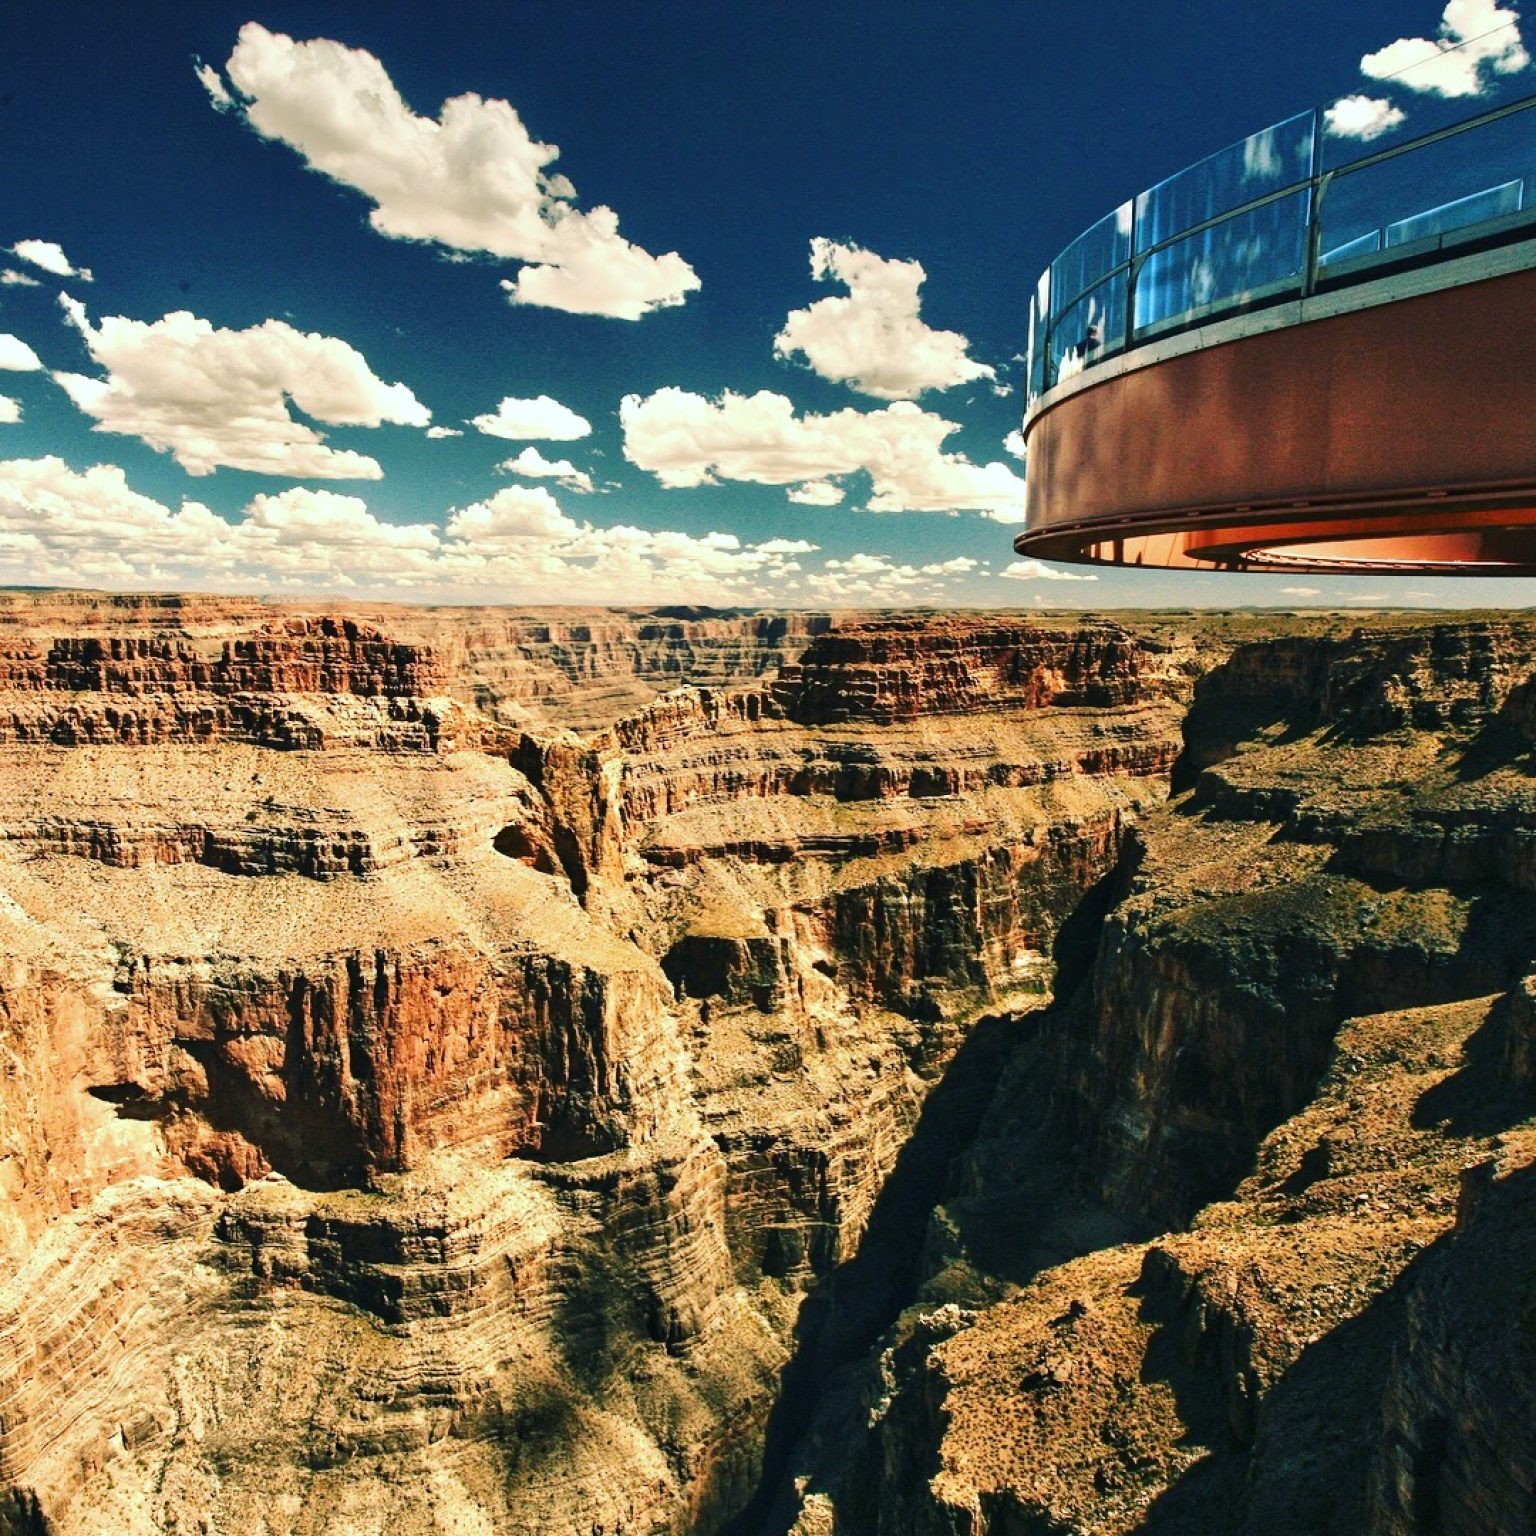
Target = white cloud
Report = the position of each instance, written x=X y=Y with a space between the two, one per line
x=473 y=179
x=316 y=525
x=687 y=440
x=541 y=417
x=10 y=411
x=444 y=432
x=512 y=516
x=534 y=466
x=1037 y=570
x=11 y=278
x=788 y=547
x=214 y=397
x=877 y=580
x=16 y=355
x=1477 y=38
x=50 y=257
x=873 y=339
x=1014 y=443
x=1300 y=591
x=65 y=527
x=816 y=493
x=1361 y=117
x=520 y=543
x=214 y=85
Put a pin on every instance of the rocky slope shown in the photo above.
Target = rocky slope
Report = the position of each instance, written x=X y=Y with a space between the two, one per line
x=455 y=1081
x=1301 y=1052
x=417 y=1118
x=576 y=667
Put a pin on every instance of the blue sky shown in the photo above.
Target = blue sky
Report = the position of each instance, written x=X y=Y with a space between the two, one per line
x=303 y=278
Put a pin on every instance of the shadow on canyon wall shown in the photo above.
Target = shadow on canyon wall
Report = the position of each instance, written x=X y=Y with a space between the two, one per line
x=844 y=1317
x=841 y=1319
x=1364 y=1432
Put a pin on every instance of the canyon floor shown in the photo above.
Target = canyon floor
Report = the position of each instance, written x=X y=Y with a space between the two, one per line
x=619 y=1073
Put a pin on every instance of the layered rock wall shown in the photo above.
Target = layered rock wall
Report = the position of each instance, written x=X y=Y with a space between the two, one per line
x=516 y=1083
x=845 y=1095
x=1312 y=1051
x=137 y=690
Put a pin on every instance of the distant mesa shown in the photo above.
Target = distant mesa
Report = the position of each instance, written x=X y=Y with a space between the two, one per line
x=1305 y=353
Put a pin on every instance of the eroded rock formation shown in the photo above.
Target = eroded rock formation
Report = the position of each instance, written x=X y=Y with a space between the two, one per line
x=1301 y=1054
x=455 y=1081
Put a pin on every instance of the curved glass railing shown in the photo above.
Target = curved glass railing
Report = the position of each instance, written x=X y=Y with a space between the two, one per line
x=1334 y=196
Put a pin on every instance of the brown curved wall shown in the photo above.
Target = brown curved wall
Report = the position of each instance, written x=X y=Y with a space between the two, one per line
x=1437 y=391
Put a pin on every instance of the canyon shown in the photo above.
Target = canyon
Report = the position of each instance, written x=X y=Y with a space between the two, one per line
x=643 y=1073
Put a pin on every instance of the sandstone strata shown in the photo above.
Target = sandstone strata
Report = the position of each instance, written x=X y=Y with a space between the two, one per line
x=1302 y=1047
x=457 y=1080
x=419 y=1116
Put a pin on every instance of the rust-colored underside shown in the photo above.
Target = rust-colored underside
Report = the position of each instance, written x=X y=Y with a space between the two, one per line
x=1400 y=438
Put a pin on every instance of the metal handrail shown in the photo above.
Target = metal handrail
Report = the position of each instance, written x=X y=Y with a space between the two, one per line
x=1317 y=183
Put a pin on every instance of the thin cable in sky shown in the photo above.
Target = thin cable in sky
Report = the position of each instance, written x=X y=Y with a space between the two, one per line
x=1466 y=42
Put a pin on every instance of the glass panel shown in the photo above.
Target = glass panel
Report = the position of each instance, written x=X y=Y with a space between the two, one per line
x=1476 y=208
x=1094 y=254
x=1038 y=351
x=1090 y=330
x=1275 y=158
x=1454 y=185
x=1255 y=257
x=1417 y=86
x=1034 y=355
x=1362 y=245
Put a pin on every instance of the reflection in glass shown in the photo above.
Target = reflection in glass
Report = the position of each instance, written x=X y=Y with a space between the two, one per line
x=1094 y=254
x=1039 y=352
x=1256 y=256
x=1267 y=161
x=1441 y=189
x=1090 y=330
x=1374 y=203
x=1475 y=208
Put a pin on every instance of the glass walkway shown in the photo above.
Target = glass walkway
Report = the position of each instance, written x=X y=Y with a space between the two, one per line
x=1322 y=225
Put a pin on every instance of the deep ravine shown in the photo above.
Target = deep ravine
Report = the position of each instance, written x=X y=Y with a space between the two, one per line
x=850 y=1096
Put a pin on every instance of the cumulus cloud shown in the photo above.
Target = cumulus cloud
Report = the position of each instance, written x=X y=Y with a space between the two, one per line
x=444 y=432
x=1300 y=591
x=1014 y=443
x=1361 y=117
x=16 y=355
x=10 y=411
x=532 y=465
x=10 y=278
x=473 y=179
x=816 y=493
x=878 y=580
x=67 y=527
x=319 y=524
x=218 y=93
x=873 y=339
x=50 y=257
x=541 y=417
x=517 y=515
x=1037 y=570
x=72 y=528
x=687 y=440
x=214 y=397
x=1477 y=39
x=89 y=527
x=788 y=547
